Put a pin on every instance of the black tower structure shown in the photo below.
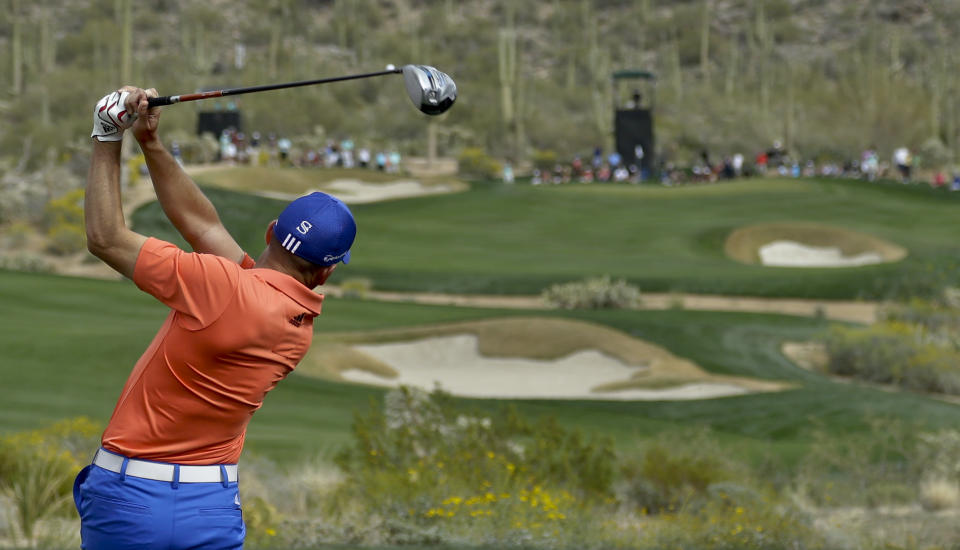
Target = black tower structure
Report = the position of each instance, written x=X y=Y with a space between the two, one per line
x=633 y=97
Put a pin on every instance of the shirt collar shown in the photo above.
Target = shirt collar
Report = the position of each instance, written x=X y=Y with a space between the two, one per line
x=292 y=288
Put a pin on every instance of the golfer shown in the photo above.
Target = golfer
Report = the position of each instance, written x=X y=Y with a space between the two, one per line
x=166 y=475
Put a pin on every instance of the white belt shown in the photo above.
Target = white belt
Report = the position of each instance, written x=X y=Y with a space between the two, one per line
x=161 y=471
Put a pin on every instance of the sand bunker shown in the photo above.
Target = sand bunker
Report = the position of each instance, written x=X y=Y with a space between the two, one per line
x=808 y=245
x=455 y=363
x=792 y=254
x=521 y=358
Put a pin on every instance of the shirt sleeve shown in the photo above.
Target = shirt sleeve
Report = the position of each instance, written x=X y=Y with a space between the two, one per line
x=199 y=286
x=247 y=262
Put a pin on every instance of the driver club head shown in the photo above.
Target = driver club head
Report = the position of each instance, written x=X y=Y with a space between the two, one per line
x=431 y=91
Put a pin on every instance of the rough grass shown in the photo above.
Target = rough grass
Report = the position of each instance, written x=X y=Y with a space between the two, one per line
x=744 y=243
x=531 y=338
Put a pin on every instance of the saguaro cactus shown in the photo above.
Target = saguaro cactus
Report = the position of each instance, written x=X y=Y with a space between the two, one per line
x=705 y=44
x=125 y=17
x=16 y=49
x=511 y=87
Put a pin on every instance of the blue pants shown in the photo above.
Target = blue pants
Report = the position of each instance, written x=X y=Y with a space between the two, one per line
x=119 y=512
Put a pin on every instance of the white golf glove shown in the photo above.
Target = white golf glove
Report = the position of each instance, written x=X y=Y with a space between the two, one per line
x=110 y=117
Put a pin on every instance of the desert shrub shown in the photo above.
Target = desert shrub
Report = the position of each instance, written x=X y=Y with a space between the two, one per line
x=65 y=221
x=492 y=479
x=934 y=154
x=196 y=149
x=593 y=293
x=877 y=467
x=938 y=454
x=24 y=196
x=474 y=162
x=722 y=524
x=676 y=477
x=679 y=471
x=26 y=262
x=63 y=239
x=544 y=160
x=938 y=494
x=893 y=352
x=940 y=313
x=283 y=504
x=356 y=287
x=37 y=470
x=16 y=234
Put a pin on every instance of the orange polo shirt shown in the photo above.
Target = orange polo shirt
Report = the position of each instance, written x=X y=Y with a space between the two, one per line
x=232 y=334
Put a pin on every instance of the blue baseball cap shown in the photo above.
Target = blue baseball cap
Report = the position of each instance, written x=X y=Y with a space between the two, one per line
x=317 y=227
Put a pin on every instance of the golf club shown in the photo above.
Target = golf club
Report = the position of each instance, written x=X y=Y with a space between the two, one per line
x=431 y=91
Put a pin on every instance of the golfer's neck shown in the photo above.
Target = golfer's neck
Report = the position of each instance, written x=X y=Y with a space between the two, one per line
x=269 y=260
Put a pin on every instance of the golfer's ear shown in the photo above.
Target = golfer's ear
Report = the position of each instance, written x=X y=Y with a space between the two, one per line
x=269 y=234
x=326 y=272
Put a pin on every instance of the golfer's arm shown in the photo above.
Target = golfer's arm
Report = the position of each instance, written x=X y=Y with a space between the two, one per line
x=185 y=205
x=108 y=237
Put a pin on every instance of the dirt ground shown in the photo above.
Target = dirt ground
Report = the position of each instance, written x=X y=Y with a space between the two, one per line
x=852 y=311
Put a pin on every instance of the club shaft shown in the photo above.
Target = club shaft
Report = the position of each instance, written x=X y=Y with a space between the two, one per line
x=171 y=99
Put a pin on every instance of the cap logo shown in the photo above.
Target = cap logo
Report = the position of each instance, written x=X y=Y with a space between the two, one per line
x=291 y=243
x=332 y=258
x=304 y=227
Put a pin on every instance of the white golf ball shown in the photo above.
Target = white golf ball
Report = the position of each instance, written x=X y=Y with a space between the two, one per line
x=390 y=67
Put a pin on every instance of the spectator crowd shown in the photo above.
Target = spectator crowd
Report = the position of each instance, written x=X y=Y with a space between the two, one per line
x=235 y=147
x=706 y=169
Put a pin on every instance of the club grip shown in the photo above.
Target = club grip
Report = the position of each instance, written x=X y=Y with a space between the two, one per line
x=158 y=101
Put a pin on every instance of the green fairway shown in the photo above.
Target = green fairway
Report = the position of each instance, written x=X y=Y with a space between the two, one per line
x=70 y=343
x=520 y=239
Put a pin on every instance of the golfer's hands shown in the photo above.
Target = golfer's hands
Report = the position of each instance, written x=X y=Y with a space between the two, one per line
x=147 y=119
x=111 y=117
